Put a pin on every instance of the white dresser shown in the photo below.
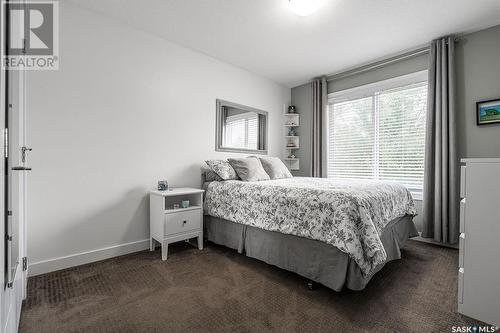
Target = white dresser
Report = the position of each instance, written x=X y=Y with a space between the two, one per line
x=479 y=261
x=168 y=224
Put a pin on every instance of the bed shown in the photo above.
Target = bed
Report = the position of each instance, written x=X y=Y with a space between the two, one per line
x=337 y=233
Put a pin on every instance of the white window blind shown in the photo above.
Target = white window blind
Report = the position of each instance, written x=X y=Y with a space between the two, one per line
x=241 y=131
x=378 y=132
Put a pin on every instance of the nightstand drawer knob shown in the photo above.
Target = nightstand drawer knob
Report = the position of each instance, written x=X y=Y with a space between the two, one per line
x=184 y=222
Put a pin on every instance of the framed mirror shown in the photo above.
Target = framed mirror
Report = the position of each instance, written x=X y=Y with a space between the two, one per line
x=240 y=129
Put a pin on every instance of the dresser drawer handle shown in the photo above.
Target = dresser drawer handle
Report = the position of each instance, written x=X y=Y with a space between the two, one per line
x=184 y=222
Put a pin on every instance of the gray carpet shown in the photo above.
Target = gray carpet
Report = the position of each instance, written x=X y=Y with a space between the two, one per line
x=218 y=290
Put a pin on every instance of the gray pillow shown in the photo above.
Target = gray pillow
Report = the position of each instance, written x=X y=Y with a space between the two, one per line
x=223 y=169
x=275 y=168
x=249 y=169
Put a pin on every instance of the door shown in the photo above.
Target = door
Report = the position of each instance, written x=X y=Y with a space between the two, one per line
x=16 y=196
x=14 y=189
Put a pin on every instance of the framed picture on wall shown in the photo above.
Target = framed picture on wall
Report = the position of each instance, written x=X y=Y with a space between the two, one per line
x=488 y=112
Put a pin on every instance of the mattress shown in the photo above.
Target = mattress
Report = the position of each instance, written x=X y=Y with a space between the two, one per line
x=350 y=216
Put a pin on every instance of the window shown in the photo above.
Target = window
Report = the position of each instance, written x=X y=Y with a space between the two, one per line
x=377 y=131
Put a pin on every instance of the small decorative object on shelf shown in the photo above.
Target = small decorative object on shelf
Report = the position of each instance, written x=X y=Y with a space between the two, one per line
x=162 y=185
x=291 y=156
x=291 y=109
x=185 y=203
x=291 y=132
x=176 y=206
x=290 y=144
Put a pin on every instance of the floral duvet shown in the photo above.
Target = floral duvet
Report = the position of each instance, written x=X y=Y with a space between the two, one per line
x=349 y=215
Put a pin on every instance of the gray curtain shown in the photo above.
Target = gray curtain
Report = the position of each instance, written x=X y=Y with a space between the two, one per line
x=320 y=102
x=441 y=196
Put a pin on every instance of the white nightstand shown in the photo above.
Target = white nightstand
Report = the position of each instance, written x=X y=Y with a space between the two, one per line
x=168 y=225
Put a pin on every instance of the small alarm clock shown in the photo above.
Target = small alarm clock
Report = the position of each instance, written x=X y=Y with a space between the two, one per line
x=162 y=185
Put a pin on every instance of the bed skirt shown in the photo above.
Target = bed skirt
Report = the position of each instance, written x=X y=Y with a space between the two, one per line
x=309 y=258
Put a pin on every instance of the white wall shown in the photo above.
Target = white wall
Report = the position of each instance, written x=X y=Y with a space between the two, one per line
x=124 y=110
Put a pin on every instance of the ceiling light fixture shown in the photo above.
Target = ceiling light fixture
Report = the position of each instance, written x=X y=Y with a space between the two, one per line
x=304 y=7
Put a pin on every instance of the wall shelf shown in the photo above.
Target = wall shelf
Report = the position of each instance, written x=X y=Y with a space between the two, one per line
x=293 y=163
x=291 y=123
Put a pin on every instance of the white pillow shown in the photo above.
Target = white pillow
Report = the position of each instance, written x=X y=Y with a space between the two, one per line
x=275 y=168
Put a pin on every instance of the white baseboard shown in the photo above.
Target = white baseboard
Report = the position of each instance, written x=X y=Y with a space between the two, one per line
x=55 y=264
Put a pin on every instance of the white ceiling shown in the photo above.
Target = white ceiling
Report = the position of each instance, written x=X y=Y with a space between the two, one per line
x=265 y=37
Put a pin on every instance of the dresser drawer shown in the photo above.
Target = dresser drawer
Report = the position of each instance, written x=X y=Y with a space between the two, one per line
x=461 y=250
x=461 y=285
x=462 y=215
x=180 y=222
x=463 y=176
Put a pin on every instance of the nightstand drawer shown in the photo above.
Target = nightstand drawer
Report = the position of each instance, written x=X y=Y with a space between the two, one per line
x=176 y=223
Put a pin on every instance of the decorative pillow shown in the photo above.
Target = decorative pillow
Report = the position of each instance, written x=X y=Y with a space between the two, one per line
x=223 y=169
x=275 y=168
x=209 y=175
x=249 y=169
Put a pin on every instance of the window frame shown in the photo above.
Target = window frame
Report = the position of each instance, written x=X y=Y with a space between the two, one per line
x=369 y=90
x=219 y=126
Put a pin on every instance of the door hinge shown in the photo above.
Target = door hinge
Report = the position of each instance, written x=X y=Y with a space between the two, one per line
x=25 y=263
x=9 y=213
x=6 y=142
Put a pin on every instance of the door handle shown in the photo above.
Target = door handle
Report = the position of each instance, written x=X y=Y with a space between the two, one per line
x=23 y=153
x=21 y=168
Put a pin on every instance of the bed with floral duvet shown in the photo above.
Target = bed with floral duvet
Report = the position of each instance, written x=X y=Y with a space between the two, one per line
x=352 y=227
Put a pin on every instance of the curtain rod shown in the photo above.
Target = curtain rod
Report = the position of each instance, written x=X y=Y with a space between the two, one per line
x=378 y=64
x=381 y=63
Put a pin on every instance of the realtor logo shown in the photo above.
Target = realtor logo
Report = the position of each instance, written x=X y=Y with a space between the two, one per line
x=32 y=35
